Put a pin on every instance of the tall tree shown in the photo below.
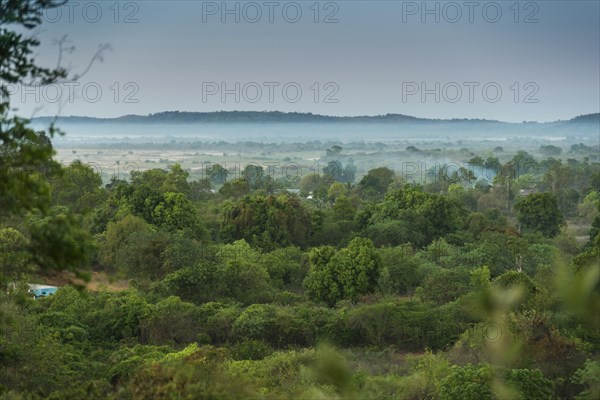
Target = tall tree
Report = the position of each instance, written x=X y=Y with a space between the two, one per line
x=539 y=212
x=25 y=154
x=345 y=274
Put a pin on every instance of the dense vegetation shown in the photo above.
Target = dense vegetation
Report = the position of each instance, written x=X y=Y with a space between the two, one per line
x=371 y=287
x=446 y=290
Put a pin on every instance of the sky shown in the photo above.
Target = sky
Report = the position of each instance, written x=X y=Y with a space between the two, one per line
x=504 y=60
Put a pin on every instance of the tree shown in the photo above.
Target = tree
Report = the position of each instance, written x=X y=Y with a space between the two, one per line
x=523 y=163
x=345 y=274
x=245 y=278
x=428 y=215
x=116 y=234
x=376 y=182
x=310 y=183
x=443 y=214
x=268 y=221
x=409 y=197
x=140 y=256
x=217 y=174
x=400 y=274
x=236 y=188
x=15 y=260
x=171 y=321
x=343 y=209
x=539 y=212
x=287 y=268
x=471 y=382
x=550 y=150
x=444 y=285
x=78 y=187
x=336 y=190
x=200 y=189
x=24 y=153
x=254 y=175
x=589 y=376
x=334 y=170
x=182 y=251
x=57 y=240
x=408 y=227
x=176 y=212
x=334 y=151
x=567 y=200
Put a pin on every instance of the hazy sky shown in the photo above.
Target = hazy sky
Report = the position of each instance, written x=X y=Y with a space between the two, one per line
x=428 y=59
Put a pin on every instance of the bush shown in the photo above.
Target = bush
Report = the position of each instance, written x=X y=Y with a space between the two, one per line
x=529 y=384
x=400 y=273
x=444 y=286
x=255 y=322
x=171 y=321
x=251 y=350
x=472 y=382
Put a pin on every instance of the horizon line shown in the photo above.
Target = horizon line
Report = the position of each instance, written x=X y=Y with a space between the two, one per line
x=311 y=114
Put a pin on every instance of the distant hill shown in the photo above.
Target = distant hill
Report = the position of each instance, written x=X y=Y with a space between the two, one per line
x=249 y=116
x=587 y=119
x=231 y=117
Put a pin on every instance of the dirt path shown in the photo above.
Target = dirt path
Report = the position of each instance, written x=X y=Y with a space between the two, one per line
x=98 y=281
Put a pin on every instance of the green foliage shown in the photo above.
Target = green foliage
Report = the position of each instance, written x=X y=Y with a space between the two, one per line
x=468 y=383
x=412 y=325
x=444 y=285
x=255 y=322
x=217 y=174
x=245 y=278
x=589 y=376
x=400 y=273
x=116 y=235
x=236 y=272
x=170 y=321
x=336 y=171
x=119 y=318
x=251 y=350
x=376 y=182
x=175 y=212
x=529 y=384
x=417 y=217
x=15 y=259
x=192 y=373
x=57 y=240
x=345 y=274
x=159 y=197
x=268 y=221
x=78 y=187
x=198 y=284
x=400 y=230
x=140 y=255
x=336 y=190
x=314 y=183
x=343 y=209
x=550 y=150
x=287 y=268
x=236 y=188
x=182 y=252
x=539 y=212
x=25 y=155
x=511 y=279
x=259 y=274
